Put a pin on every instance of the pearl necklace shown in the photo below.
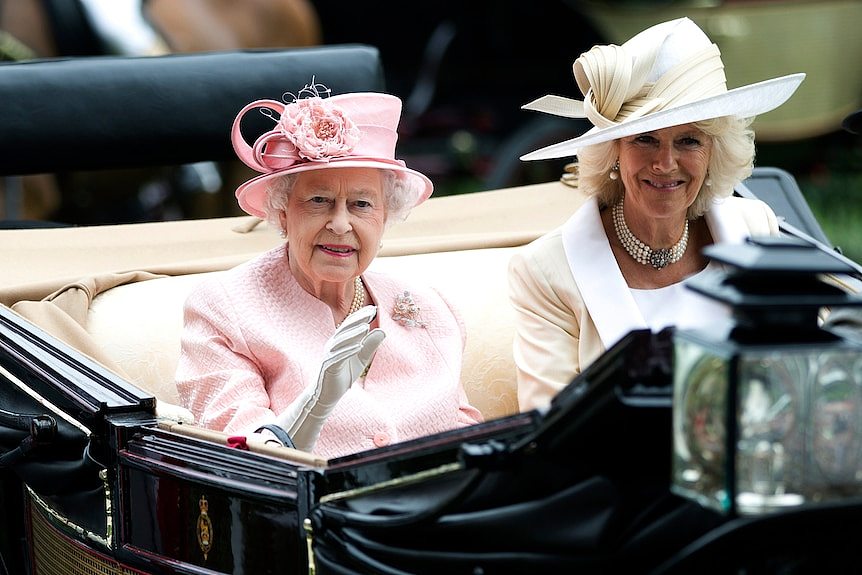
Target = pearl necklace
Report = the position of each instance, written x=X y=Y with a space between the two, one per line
x=642 y=253
x=358 y=295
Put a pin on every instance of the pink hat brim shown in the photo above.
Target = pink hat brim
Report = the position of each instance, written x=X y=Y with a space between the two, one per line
x=251 y=194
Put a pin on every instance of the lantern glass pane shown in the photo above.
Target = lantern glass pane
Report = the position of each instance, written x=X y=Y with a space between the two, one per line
x=800 y=427
x=769 y=430
x=699 y=425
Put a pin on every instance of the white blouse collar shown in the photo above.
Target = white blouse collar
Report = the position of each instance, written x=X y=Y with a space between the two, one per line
x=603 y=289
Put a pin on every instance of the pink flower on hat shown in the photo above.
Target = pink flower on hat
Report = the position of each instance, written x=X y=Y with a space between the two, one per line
x=318 y=130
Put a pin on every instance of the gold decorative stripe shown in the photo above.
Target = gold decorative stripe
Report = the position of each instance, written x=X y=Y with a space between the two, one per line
x=309 y=540
x=52 y=514
x=397 y=482
x=56 y=554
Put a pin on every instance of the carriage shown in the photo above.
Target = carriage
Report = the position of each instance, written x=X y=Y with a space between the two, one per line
x=101 y=471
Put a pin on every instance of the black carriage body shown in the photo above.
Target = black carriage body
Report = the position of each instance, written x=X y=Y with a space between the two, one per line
x=124 y=494
x=112 y=488
x=156 y=501
x=188 y=503
x=584 y=486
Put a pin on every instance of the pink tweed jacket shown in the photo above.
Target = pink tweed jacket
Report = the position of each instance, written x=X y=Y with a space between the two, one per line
x=253 y=338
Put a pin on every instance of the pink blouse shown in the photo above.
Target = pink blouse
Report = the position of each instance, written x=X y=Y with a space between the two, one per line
x=253 y=339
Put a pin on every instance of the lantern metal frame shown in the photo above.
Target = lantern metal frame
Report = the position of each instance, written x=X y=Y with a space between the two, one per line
x=745 y=393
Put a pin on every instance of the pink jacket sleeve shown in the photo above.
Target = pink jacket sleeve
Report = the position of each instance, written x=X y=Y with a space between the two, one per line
x=218 y=378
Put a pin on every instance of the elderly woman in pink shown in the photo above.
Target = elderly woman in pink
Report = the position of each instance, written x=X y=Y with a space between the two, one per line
x=304 y=339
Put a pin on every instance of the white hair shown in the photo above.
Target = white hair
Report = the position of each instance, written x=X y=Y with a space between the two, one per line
x=398 y=196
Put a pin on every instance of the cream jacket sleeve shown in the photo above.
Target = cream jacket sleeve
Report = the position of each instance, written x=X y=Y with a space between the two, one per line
x=554 y=333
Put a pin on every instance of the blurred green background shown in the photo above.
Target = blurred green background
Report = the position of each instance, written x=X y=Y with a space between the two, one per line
x=828 y=170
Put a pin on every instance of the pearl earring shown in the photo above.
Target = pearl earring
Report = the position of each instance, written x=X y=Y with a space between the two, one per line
x=708 y=181
x=615 y=171
x=283 y=233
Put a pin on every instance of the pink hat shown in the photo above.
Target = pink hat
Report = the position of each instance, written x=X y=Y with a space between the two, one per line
x=356 y=130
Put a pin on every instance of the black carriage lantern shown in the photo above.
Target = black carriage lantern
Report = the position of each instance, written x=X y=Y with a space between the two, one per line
x=767 y=413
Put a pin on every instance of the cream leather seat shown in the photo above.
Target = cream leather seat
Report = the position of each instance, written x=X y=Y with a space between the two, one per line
x=138 y=325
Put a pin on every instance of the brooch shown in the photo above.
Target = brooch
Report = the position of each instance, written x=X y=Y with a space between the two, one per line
x=406 y=311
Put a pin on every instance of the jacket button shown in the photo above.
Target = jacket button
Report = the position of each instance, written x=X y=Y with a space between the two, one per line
x=381 y=439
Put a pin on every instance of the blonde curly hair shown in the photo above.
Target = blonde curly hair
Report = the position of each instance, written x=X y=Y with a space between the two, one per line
x=731 y=161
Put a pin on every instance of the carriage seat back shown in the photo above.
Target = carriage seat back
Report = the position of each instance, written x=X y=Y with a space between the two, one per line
x=138 y=325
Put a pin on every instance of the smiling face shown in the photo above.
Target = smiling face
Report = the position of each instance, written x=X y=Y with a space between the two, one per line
x=664 y=170
x=334 y=221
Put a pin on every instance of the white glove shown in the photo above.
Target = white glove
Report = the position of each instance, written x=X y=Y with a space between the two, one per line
x=345 y=356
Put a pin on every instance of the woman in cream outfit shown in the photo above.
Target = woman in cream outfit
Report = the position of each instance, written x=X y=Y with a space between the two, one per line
x=669 y=144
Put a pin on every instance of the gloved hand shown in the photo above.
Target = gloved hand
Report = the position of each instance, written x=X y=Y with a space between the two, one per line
x=346 y=355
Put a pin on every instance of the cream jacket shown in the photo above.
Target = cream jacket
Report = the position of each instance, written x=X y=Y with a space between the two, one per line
x=572 y=303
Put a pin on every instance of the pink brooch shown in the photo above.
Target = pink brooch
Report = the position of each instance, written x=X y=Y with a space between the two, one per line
x=318 y=129
x=407 y=312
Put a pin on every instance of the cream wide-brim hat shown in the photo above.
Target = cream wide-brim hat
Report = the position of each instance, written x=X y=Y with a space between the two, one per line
x=668 y=75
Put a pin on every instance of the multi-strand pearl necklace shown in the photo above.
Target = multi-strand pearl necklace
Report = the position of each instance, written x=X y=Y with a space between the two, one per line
x=642 y=253
x=358 y=300
x=358 y=295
